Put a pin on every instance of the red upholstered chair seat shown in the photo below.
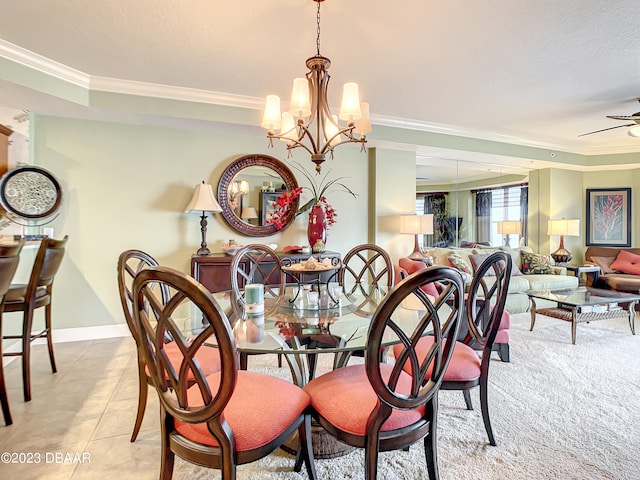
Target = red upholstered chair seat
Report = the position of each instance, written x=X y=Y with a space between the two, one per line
x=255 y=398
x=464 y=365
x=345 y=398
x=208 y=357
x=505 y=321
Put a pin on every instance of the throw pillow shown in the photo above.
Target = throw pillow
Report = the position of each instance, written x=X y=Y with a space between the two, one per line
x=604 y=263
x=476 y=261
x=412 y=266
x=459 y=262
x=534 y=263
x=627 y=262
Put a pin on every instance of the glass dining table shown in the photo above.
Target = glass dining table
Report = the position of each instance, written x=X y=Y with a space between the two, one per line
x=302 y=324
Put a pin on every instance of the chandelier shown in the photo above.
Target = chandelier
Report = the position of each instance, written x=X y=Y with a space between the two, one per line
x=309 y=123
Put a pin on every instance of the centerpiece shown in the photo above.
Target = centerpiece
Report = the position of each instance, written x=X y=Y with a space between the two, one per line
x=321 y=214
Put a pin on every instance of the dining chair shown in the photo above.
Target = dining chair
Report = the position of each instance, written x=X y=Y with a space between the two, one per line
x=367 y=269
x=379 y=406
x=130 y=263
x=222 y=420
x=9 y=259
x=255 y=263
x=366 y=264
x=27 y=298
x=484 y=307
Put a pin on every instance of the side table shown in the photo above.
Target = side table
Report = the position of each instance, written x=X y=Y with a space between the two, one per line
x=580 y=269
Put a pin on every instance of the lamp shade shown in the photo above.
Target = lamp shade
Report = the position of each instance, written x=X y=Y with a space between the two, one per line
x=563 y=226
x=509 y=227
x=416 y=224
x=363 y=124
x=249 y=213
x=203 y=200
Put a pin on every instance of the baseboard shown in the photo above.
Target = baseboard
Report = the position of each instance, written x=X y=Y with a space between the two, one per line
x=78 y=334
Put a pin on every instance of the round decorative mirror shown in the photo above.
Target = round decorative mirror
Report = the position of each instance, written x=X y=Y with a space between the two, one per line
x=30 y=193
x=247 y=192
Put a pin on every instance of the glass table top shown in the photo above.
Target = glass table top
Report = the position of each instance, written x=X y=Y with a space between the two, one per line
x=331 y=326
x=583 y=296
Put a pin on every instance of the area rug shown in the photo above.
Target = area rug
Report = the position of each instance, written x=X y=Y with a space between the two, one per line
x=559 y=411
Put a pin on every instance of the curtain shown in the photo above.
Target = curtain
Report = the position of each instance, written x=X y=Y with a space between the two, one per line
x=483 y=216
x=436 y=204
x=524 y=213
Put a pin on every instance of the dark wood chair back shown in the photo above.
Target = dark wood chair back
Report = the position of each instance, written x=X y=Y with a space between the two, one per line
x=154 y=318
x=130 y=263
x=366 y=264
x=485 y=301
x=367 y=270
x=46 y=266
x=9 y=259
x=439 y=317
x=263 y=266
x=386 y=408
x=189 y=396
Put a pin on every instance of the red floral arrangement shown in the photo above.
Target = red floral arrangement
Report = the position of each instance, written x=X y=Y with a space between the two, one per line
x=282 y=206
x=283 y=203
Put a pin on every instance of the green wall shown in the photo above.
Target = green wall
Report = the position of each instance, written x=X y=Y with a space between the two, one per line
x=126 y=186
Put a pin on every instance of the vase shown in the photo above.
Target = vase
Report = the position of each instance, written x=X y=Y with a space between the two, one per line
x=317 y=229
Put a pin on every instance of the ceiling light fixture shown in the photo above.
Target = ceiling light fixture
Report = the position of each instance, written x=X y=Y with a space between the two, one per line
x=309 y=112
x=634 y=131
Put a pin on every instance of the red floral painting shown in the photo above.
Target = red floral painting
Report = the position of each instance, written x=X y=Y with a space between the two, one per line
x=609 y=217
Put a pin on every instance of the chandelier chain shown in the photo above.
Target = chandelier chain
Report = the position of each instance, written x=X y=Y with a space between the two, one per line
x=318 y=30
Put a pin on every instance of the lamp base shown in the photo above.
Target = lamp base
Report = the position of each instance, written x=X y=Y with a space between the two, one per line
x=562 y=255
x=203 y=251
x=418 y=255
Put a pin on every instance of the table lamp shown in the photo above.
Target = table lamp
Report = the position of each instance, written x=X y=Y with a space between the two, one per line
x=562 y=227
x=417 y=225
x=203 y=201
x=248 y=213
x=509 y=227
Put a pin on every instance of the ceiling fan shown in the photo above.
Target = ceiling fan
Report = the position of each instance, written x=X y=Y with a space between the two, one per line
x=635 y=118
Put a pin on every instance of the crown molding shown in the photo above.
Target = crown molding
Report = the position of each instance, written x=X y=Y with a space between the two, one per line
x=42 y=64
x=91 y=83
x=169 y=92
x=420 y=125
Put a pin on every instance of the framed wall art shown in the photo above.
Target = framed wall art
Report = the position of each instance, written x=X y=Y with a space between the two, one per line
x=609 y=217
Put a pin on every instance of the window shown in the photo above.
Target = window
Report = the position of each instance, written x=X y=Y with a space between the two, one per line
x=497 y=204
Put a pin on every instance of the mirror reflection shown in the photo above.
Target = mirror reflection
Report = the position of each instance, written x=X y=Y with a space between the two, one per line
x=248 y=190
x=473 y=202
x=252 y=194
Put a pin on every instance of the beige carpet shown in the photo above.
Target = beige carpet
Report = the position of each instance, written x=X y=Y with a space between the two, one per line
x=559 y=411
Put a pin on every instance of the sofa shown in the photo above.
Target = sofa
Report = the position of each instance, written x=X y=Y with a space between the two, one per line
x=531 y=272
x=618 y=269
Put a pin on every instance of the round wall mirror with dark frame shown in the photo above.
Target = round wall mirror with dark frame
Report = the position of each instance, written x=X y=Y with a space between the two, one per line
x=246 y=192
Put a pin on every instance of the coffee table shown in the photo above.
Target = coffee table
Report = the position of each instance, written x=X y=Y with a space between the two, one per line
x=570 y=303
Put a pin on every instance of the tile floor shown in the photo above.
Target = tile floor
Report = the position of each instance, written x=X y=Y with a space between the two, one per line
x=86 y=410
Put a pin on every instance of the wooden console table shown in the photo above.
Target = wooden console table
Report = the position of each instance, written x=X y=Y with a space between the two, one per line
x=214 y=270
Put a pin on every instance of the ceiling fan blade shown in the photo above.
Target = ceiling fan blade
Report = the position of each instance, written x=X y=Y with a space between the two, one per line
x=635 y=117
x=610 y=128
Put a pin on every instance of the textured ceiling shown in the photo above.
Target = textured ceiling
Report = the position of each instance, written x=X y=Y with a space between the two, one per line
x=527 y=71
